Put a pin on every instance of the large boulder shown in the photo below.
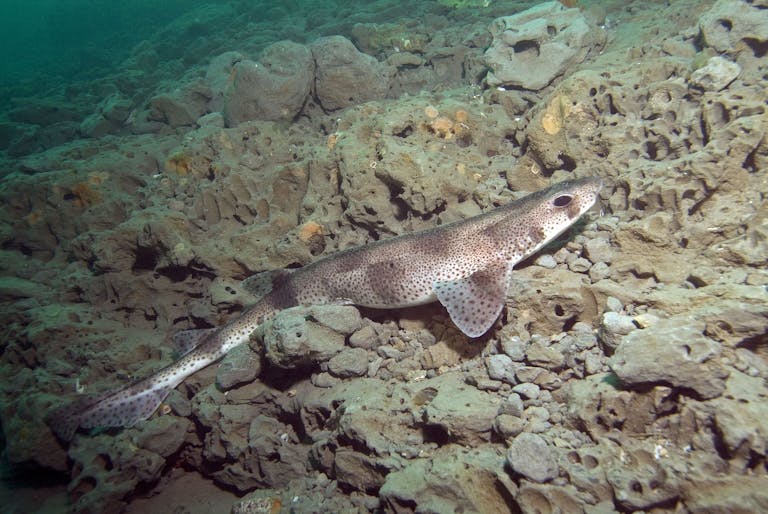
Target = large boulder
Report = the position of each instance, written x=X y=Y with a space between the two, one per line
x=735 y=25
x=672 y=352
x=532 y=48
x=181 y=106
x=346 y=76
x=275 y=88
x=219 y=75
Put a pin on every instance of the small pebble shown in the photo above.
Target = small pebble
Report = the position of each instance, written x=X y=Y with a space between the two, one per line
x=592 y=364
x=527 y=390
x=599 y=271
x=350 y=362
x=546 y=261
x=613 y=328
x=579 y=265
x=514 y=348
x=508 y=426
x=613 y=304
x=501 y=367
x=598 y=250
x=324 y=380
x=512 y=405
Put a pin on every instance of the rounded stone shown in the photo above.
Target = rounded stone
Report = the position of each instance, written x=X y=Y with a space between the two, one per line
x=531 y=457
x=352 y=362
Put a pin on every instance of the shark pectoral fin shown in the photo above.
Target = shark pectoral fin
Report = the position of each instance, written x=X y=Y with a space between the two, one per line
x=263 y=283
x=187 y=340
x=474 y=302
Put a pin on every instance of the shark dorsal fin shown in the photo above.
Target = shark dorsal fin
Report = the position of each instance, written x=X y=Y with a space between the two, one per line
x=474 y=302
x=261 y=284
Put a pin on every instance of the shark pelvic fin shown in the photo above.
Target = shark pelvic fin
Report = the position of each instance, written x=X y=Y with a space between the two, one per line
x=474 y=302
x=261 y=284
x=187 y=340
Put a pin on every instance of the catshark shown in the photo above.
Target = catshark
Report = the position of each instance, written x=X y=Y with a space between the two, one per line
x=465 y=265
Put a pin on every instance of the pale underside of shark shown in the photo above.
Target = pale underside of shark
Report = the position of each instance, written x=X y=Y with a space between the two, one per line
x=466 y=266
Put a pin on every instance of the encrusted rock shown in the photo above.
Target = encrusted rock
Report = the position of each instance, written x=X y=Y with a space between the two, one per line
x=463 y=412
x=644 y=483
x=365 y=338
x=181 y=106
x=530 y=391
x=579 y=265
x=342 y=319
x=613 y=304
x=674 y=352
x=598 y=405
x=218 y=77
x=732 y=23
x=599 y=271
x=508 y=426
x=558 y=297
x=14 y=288
x=513 y=347
x=740 y=493
x=598 y=250
x=556 y=498
x=716 y=75
x=741 y=418
x=128 y=460
x=357 y=470
x=512 y=405
x=297 y=336
x=449 y=481
x=42 y=111
x=532 y=48
x=546 y=261
x=544 y=356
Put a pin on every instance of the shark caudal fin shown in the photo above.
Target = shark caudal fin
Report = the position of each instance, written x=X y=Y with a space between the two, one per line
x=121 y=408
x=65 y=420
x=127 y=406
x=136 y=402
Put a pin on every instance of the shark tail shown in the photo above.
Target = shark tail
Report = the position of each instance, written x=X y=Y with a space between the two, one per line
x=127 y=406
x=120 y=408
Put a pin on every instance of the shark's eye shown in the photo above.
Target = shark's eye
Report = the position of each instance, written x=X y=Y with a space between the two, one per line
x=562 y=200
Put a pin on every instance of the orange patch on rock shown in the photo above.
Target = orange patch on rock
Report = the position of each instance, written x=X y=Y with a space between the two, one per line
x=309 y=231
x=33 y=218
x=179 y=164
x=83 y=195
x=331 y=141
x=443 y=127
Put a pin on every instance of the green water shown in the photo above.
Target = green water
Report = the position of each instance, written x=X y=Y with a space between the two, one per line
x=76 y=38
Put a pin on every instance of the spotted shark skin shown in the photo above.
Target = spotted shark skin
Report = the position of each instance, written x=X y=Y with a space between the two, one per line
x=466 y=266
